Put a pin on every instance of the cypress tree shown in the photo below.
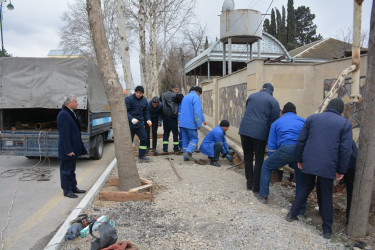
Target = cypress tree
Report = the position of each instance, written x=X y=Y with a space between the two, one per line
x=291 y=26
x=273 y=24
x=278 y=24
x=266 y=25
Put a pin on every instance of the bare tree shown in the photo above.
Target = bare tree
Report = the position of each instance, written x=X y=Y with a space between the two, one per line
x=141 y=19
x=172 y=16
x=75 y=34
x=158 y=22
x=194 y=36
x=172 y=67
x=127 y=169
x=364 y=174
x=124 y=45
x=346 y=35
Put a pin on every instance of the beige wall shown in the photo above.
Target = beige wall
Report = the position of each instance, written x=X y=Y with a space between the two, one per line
x=300 y=83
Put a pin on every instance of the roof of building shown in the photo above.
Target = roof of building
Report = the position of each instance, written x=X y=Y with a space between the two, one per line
x=271 y=48
x=327 y=49
x=64 y=53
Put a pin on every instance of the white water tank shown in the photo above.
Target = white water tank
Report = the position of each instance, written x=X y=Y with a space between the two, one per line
x=242 y=25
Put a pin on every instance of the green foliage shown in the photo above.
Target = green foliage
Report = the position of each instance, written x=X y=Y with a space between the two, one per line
x=266 y=25
x=6 y=54
x=282 y=29
x=272 y=30
x=291 y=25
x=294 y=29
x=305 y=27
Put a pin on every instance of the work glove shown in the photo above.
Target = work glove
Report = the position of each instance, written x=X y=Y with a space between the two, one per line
x=159 y=122
x=149 y=123
x=134 y=121
x=229 y=157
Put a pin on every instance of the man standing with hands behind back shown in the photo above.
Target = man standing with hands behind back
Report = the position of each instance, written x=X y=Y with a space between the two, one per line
x=70 y=146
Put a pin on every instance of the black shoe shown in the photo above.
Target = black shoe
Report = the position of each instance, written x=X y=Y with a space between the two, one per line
x=71 y=195
x=155 y=152
x=215 y=163
x=291 y=218
x=262 y=199
x=189 y=156
x=255 y=190
x=79 y=191
x=143 y=159
x=327 y=235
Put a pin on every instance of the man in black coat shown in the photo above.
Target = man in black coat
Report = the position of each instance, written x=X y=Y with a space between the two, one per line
x=324 y=148
x=170 y=102
x=262 y=110
x=137 y=108
x=70 y=146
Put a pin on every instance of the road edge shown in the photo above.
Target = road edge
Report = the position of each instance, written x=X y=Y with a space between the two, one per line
x=55 y=242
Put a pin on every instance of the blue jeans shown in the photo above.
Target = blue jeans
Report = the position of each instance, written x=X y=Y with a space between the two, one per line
x=282 y=156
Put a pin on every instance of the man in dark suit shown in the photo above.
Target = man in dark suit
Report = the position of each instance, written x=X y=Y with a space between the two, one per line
x=70 y=146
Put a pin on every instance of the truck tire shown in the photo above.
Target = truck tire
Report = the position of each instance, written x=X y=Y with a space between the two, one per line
x=99 y=147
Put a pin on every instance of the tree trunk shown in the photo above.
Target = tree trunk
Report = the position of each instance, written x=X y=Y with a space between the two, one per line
x=142 y=41
x=364 y=174
x=124 y=47
x=127 y=168
x=153 y=87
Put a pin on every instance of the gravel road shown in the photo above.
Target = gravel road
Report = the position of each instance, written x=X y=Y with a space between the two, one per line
x=209 y=208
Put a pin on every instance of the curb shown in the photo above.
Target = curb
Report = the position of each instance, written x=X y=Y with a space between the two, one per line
x=55 y=242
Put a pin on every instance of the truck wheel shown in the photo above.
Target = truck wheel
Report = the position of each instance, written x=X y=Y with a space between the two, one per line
x=98 y=148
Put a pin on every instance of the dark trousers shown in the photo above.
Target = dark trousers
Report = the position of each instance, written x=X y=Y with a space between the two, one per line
x=141 y=133
x=154 y=128
x=324 y=191
x=251 y=147
x=170 y=124
x=349 y=182
x=68 y=176
x=218 y=146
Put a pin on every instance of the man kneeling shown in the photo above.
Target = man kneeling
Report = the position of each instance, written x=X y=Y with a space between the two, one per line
x=215 y=143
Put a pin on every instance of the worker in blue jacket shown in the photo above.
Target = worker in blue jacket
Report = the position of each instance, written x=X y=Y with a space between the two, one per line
x=324 y=148
x=282 y=142
x=154 y=108
x=191 y=119
x=215 y=143
x=137 y=109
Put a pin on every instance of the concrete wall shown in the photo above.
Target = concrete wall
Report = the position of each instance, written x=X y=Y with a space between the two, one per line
x=303 y=84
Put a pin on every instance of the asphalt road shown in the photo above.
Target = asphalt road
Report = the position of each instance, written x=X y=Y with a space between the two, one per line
x=39 y=206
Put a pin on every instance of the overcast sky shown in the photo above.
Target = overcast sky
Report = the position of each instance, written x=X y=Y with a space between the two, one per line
x=32 y=28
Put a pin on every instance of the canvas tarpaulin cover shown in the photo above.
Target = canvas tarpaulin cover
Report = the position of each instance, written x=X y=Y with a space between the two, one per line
x=43 y=83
